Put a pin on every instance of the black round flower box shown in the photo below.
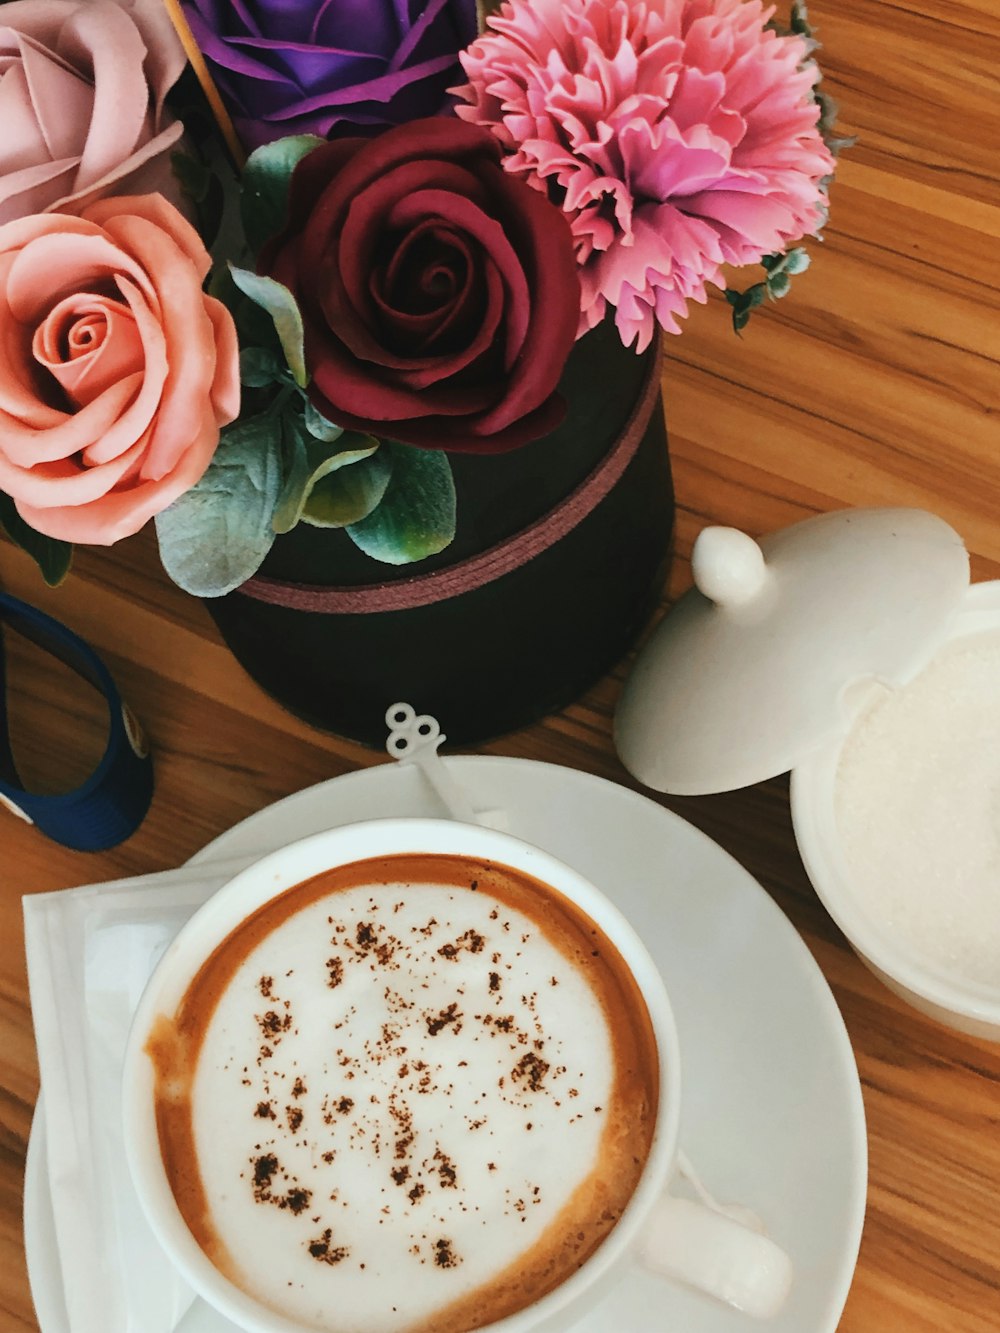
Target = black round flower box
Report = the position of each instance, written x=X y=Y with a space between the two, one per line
x=557 y=563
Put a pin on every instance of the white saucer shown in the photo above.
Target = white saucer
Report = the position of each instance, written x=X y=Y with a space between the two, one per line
x=772 y=1111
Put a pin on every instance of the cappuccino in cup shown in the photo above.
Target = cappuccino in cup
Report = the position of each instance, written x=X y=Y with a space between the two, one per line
x=413 y=1093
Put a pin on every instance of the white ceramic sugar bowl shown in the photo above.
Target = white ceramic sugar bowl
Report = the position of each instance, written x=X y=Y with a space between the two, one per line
x=772 y=661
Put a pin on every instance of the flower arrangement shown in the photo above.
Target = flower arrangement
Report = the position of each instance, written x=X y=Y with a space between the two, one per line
x=430 y=215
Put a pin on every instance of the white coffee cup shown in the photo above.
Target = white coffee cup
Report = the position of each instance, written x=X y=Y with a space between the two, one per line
x=684 y=1241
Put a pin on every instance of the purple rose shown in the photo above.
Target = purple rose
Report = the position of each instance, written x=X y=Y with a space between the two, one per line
x=331 y=68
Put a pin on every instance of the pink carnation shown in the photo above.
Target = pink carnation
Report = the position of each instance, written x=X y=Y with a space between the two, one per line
x=681 y=135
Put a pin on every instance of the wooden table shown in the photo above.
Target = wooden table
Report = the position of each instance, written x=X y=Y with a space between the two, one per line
x=875 y=382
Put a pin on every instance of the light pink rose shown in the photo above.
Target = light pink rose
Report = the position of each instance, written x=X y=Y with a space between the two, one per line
x=116 y=370
x=82 y=84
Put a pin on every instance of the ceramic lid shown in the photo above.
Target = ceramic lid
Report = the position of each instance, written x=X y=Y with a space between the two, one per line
x=751 y=669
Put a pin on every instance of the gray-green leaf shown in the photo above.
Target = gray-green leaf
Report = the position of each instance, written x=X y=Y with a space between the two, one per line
x=288 y=509
x=417 y=515
x=340 y=495
x=745 y=302
x=266 y=178
x=317 y=425
x=193 y=175
x=259 y=367
x=216 y=535
x=53 y=557
x=307 y=463
x=280 y=304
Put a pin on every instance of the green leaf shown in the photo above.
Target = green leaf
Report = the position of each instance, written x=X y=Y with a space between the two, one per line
x=280 y=304
x=417 y=515
x=203 y=187
x=318 y=426
x=259 y=367
x=217 y=534
x=748 y=300
x=288 y=509
x=52 y=557
x=796 y=261
x=193 y=175
x=308 y=465
x=348 y=486
x=799 y=19
x=778 y=285
x=743 y=303
x=266 y=178
x=256 y=327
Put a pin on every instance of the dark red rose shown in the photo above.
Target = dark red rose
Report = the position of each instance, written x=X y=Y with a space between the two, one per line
x=439 y=294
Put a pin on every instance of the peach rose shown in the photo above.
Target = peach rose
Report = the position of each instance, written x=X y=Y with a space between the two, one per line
x=81 y=102
x=116 y=370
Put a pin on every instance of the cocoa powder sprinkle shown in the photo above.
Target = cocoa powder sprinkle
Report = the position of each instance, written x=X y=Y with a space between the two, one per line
x=446 y=1170
x=532 y=1069
x=322 y=1250
x=273 y=1024
x=471 y=940
x=444 y=1254
x=263 y=1170
x=446 y=1016
x=297 y=1200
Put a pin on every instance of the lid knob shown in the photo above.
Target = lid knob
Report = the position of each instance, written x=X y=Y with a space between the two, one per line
x=728 y=566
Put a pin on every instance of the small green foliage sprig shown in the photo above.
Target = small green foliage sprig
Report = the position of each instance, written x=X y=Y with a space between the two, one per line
x=779 y=269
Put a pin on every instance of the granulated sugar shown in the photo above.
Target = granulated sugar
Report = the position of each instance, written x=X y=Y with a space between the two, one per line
x=918 y=808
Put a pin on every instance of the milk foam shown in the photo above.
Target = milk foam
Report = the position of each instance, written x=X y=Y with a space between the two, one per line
x=397 y=1093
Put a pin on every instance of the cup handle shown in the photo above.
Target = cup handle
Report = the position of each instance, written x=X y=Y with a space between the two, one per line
x=718 y=1249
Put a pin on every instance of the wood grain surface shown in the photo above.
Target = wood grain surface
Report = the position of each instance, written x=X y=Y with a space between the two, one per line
x=876 y=381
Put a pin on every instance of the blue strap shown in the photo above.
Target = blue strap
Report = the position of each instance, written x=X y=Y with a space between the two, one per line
x=113 y=801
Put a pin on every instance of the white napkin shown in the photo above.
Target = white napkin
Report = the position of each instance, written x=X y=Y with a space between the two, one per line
x=90 y=952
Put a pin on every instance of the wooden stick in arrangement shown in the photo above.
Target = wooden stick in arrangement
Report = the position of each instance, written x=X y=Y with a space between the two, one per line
x=194 y=55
